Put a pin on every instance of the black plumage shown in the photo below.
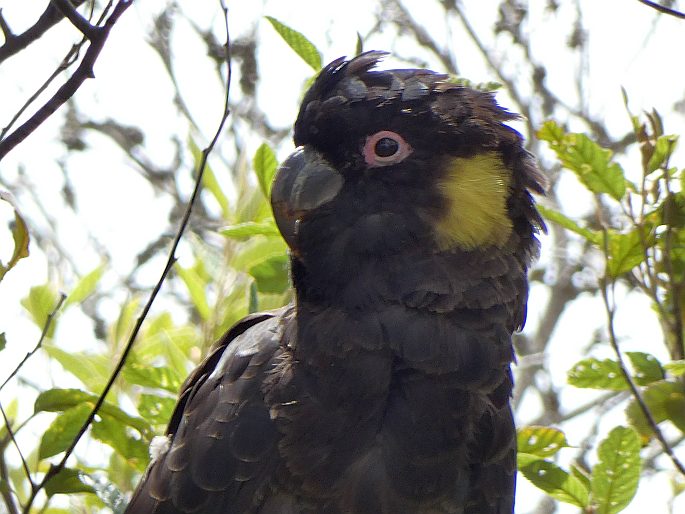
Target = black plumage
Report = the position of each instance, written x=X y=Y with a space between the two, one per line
x=384 y=387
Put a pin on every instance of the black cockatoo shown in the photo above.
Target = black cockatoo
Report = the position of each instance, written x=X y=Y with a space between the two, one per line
x=384 y=386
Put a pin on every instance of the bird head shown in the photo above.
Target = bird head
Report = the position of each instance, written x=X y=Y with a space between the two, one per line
x=388 y=160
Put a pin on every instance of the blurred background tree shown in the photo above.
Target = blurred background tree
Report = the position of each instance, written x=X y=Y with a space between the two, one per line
x=95 y=197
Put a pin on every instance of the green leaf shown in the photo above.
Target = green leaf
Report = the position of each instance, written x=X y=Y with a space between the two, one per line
x=540 y=441
x=581 y=475
x=85 y=287
x=647 y=368
x=257 y=250
x=615 y=477
x=569 y=224
x=209 y=181
x=597 y=374
x=553 y=480
x=61 y=432
x=675 y=368
x=628 y=250
x=20 y=235
x=156 y=409
x=91 y=369
x=300 y=44
x=115 y=435
x=40 y=302
x=196 y=286
x=248 y=229
x=264 y=164
x=148 y=376
x=591 y=163
x=3 y=341
x=656 y=396
x=271 y=275
x=55 y=400
x=665 y=145
x=67 y=481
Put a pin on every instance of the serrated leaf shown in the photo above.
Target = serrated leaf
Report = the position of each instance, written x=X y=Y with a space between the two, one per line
x=56 y=400
x=569 y=224
x=264 y=163
x=67 y=481
x=615 y=477
x=553 y=480
x=62 y=430
x=115 y=435
x=85 y=287
x=248 y=229
x=628 y=250
x=540 y=441
x=40 y=302
x=591 y=163
x=20 y=235
x=646 y=368
x=656 y=396
x=597 y=374
x=300 y=44
x=675 y=368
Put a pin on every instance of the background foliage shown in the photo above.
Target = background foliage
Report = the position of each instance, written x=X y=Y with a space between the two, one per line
x=600 y=396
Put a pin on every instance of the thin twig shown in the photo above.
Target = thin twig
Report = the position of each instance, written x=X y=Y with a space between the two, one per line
x=55 y=469
x=10 y=432
x=663 y=9
x=44 y=333
x=6 y=492
x=607 y=284
x=69 y=88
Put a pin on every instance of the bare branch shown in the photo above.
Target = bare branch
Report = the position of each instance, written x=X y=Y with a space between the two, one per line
x=69 y=88
x=663 y=9
x=15 y=43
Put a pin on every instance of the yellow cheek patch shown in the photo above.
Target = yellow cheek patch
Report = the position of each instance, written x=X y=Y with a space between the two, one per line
x=476 y=189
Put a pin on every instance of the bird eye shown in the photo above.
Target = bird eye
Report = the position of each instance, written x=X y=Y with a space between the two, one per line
x=385 y=148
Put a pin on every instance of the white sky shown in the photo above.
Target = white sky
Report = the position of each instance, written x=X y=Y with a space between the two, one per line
x=123 y=213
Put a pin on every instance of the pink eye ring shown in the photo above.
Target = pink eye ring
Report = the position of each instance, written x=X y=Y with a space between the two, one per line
x=385 y=148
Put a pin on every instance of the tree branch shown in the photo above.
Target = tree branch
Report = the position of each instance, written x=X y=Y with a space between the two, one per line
x=69 y=88
x=663 y=9
x=78 y=21
x=606 y=285
x=15 y=43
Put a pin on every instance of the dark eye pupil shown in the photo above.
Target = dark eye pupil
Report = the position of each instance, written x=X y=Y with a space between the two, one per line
x=386 y=147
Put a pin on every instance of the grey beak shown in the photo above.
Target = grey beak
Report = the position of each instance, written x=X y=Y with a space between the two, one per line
x=304 y=182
